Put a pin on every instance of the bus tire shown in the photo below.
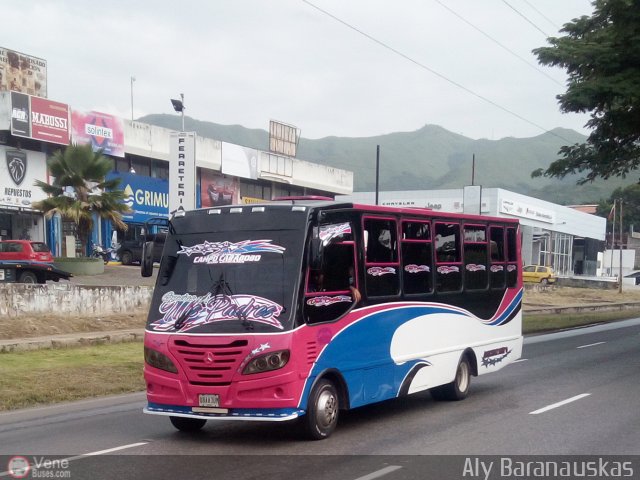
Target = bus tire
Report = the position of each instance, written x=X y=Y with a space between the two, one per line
x=28 y=277
x=185 y=424
x=322 y=411
x=459 y=388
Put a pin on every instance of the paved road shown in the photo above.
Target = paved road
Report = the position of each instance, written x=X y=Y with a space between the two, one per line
x=573 y=393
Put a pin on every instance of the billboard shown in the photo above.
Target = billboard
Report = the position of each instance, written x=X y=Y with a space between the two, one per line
x=49 y=121
x=147 y=197
x=22 y=73
x=283 y=138
x=20 y=115
x=217 y=189
x=103 y=131
x=182 y=170
x=239 y=161
x=39 y=118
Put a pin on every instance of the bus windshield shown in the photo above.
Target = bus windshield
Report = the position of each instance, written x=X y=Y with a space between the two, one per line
x=235 y=281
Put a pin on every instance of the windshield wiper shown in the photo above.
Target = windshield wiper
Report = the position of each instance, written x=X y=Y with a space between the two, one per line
x=184 y=315
x=222 y=287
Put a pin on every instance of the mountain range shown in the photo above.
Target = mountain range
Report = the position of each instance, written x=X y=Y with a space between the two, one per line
x=429 y=158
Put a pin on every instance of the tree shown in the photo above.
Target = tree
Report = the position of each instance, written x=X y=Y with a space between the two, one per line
x=630 y=204
x=79 y=190
x=601 y=54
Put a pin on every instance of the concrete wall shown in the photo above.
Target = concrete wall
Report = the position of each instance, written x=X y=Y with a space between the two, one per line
x=20 y=299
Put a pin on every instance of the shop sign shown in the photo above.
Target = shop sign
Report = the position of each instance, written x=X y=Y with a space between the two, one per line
x=147 y=197
x=523 y=210
x=18 y=173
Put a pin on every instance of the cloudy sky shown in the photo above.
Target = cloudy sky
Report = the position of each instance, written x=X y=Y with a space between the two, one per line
x=330 y=67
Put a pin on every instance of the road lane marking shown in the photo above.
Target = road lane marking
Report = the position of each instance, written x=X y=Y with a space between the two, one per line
x=591 y=345
x=114 y=449
x=380 y=473
x=559 y=404
x=520 y=360
x=90 y=454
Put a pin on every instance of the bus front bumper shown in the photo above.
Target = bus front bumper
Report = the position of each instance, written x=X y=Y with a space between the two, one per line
x=247 y=414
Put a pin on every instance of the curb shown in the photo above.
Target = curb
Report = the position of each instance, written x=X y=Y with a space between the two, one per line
x=70 y=340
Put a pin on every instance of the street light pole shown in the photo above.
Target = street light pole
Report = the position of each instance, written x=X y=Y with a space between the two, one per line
x=133 y=79
x=182 y=111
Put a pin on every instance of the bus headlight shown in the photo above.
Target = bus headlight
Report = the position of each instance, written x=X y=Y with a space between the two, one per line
x=267 y=362
x=159 y=360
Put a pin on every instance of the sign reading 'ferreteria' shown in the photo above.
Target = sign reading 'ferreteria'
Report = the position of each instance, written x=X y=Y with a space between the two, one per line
x=182 y=171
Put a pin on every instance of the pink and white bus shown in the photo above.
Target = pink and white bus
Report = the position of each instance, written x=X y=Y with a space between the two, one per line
x=298 y=309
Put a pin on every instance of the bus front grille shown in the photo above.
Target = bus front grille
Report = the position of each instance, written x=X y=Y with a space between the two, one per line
x=209 y=361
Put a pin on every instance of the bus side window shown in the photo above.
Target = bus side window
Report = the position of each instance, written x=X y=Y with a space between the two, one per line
x=448 y=261
x=328 y=292
x=512 y=258
x=475 y=257
x=498 y=267
x=417 y=267
x=381 y=257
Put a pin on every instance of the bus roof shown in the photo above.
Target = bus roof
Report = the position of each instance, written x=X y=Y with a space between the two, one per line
x=324 y=204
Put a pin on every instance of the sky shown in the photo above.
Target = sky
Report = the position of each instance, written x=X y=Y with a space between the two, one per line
x=348 y=68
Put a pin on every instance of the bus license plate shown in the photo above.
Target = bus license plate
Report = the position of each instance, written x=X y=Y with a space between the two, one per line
x=209 y=400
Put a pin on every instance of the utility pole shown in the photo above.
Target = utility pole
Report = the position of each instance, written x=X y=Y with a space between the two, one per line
x=613 y=237
x=377 y=172
x=620 y=282
x=133 y=79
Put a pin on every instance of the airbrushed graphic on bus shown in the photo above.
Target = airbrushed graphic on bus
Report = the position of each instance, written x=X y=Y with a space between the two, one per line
x=403 y=333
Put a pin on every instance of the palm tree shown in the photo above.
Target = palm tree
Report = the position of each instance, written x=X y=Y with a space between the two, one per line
x=79 y=190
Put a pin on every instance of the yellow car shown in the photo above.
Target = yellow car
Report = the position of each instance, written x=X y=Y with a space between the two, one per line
x=538 y=274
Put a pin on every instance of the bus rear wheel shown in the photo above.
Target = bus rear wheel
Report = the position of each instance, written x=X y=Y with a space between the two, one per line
x=459 y=388
x=185 y=424
x=322 y=413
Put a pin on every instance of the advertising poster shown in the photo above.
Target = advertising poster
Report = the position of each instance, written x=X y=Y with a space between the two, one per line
x=49 y=121
x=20 y=115
x=217 y=189
x=147 y=197
x=22 y=73
x=103 y=131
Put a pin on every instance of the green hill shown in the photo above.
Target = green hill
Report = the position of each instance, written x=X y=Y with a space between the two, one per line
x=428 y=158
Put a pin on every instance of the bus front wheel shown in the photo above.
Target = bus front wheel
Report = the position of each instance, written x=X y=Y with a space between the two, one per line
x=185 y=424
x=459 y=388
x=322 y=413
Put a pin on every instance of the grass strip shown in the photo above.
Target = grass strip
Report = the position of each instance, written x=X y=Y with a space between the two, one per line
x=43 y=377
x=548 y=323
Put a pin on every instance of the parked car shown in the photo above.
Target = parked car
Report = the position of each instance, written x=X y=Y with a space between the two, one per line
x=130 y=250
x=538 y=274
x=25 y=250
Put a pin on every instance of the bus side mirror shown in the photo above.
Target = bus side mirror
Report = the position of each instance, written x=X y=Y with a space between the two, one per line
x=316 y=251
x=146 y=262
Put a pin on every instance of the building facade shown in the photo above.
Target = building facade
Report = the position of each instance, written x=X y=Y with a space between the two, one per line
x=226 y=173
